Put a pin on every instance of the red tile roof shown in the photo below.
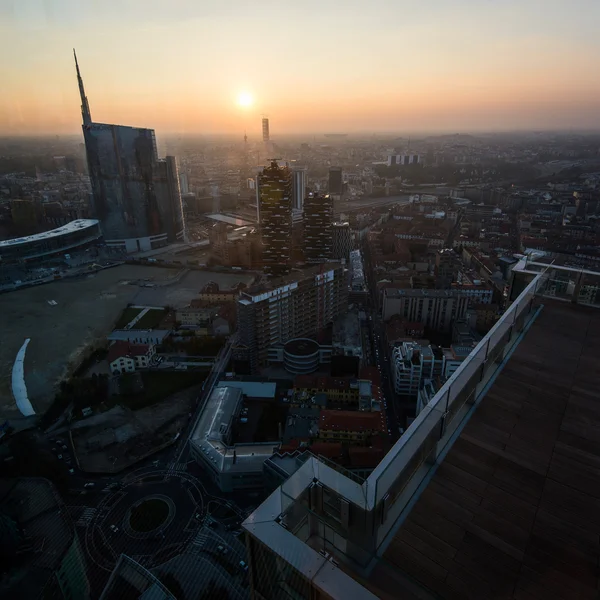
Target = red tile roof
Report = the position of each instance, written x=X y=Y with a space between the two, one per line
x=351 y=420
x=121 y=348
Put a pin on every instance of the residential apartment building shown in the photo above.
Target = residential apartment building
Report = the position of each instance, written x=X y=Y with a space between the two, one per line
x=318 y=219
x=195 y=317
x=353 y=426
x=413 y=363
x=274 y=201
x=342 y=241
x=124 y=357
x=436 y=309
x=288 y=308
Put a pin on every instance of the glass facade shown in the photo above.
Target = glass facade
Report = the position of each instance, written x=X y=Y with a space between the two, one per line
x=135 y=195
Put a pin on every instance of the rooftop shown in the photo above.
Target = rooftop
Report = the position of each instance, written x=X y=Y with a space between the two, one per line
x=491 y=492
x=119 y=349
x=351 y=420
x=215 y=419
x=513 y=510
x=71 y=227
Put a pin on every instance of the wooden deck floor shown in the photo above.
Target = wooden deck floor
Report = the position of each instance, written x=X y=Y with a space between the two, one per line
x=514 y=509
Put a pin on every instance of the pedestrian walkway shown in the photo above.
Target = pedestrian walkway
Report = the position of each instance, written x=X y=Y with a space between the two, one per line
x=176 y=467
x=85 y=517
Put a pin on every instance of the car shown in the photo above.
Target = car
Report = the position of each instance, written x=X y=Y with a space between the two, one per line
x=72 y=471
x=59 y=457
x=237 y=532
x=243 y=565
x=114 y=528
x=89 y=484
x=222 y=550
x=64 y=447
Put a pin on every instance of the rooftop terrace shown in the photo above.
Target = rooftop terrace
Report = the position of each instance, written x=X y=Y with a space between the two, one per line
x=492 y=492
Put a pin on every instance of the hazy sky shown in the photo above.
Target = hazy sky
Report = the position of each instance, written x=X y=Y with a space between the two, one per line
x=311 y=65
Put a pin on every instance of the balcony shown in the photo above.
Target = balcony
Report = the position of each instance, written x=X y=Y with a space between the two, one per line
x=492 y=491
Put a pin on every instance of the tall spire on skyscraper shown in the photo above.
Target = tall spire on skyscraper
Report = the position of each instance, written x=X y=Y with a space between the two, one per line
x=85 y=107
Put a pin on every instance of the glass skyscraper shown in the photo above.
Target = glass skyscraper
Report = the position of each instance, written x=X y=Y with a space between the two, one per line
x=135 y=194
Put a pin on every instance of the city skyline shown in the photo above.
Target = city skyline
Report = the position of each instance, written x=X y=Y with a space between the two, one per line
x=184 y=68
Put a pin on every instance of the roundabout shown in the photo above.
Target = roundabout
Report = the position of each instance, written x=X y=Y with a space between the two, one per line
x=151 y=518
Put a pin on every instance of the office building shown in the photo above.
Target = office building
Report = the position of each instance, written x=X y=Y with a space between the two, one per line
x=318 y=226
x=412 y=363
x=335 y=181
x=230 y=465
x=135 y=195
x=342 y=241
x=436 y=309
x=489 y=492
x=296 y=306
x=274 y=200
x=299 y=187
x=41 y=247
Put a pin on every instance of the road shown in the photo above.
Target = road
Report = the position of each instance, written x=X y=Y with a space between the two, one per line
x=381 y=352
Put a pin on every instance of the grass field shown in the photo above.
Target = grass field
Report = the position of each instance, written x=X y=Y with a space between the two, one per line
x=126 y=317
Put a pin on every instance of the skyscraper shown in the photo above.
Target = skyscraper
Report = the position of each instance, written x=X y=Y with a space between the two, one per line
x=135 y=195
x=265 y=129
x=274 y=200
x=299 y=189
x=318 y=225
x=335 y=180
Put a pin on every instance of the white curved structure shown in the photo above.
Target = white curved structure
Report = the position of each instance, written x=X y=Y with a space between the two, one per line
x=19 y=389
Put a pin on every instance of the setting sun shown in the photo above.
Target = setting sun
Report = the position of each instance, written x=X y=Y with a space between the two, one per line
x=244 y=99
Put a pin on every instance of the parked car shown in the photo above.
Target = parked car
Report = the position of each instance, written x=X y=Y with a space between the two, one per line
x=89 y=484
x=243 y=566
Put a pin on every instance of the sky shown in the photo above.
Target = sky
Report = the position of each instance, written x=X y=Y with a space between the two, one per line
x=179 y=66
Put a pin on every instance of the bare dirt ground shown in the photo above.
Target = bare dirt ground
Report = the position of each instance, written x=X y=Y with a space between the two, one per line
x=85 y=312
x=118 y=438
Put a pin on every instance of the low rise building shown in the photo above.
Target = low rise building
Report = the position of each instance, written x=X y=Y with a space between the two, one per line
x=231 y=466
x=353 y=426
x=124 y=357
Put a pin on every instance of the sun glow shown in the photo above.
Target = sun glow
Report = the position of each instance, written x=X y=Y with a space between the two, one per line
x=245 y=99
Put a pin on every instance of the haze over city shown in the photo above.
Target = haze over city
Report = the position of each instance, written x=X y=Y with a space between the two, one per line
x=398 y=66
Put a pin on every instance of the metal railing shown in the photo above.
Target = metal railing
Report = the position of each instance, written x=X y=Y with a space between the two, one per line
x=369 y=512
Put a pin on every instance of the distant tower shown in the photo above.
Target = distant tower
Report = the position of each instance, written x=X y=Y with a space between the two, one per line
x=216 y=204
x=335 y=180
x=85 y=107
x=265 y=130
